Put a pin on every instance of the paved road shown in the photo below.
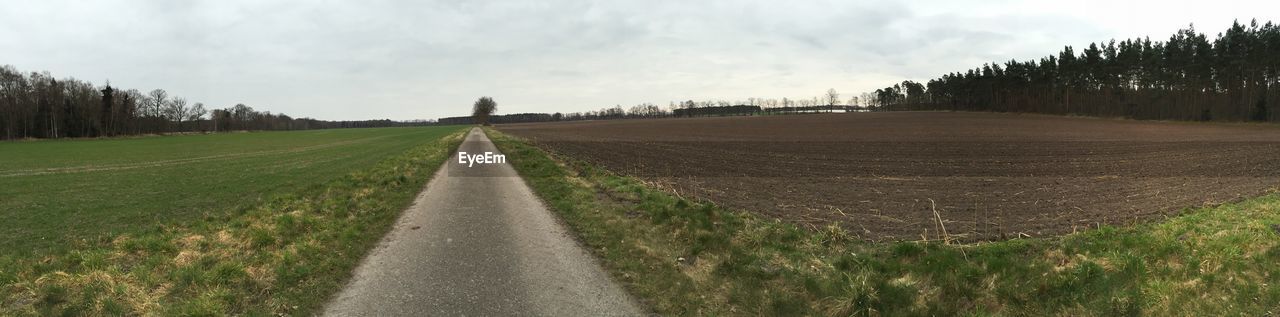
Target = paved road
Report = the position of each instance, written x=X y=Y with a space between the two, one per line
x=477 y=242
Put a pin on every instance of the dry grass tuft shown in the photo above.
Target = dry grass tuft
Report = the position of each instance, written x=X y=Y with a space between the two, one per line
x=186 y=257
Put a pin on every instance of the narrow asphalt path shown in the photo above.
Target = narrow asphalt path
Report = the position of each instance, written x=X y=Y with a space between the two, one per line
x=477 y=242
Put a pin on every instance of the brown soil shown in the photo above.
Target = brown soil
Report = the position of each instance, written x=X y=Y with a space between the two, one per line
x=882 y=175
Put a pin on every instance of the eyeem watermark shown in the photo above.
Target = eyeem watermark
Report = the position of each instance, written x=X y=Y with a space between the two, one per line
x=486 y=158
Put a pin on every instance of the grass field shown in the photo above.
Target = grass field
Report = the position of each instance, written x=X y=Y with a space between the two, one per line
x=241 y=223
x=56 y=192
x=689 y=257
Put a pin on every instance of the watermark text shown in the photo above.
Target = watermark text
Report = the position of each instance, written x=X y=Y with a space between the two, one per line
x=486 y=158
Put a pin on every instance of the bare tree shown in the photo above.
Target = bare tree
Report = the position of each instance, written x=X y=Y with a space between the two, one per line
x=155 y=109
x=176 y=111
x=482 y=109
x=196 y=113
x=158 y=99
x=833 y=98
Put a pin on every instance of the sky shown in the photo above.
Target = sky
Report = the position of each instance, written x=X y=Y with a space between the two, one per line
x=406 y=60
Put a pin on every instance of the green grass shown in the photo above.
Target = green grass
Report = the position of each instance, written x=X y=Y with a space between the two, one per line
x=60 y=191
x=231 y=224
x=1211 y=261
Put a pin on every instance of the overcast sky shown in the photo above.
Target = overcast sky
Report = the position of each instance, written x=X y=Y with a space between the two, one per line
x=427 y=59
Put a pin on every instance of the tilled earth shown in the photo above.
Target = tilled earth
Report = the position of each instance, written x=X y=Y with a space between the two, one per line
x=883 y=175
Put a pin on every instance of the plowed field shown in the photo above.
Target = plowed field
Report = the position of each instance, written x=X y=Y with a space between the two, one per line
x=882 y=175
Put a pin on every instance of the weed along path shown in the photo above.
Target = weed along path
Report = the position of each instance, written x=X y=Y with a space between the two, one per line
x=478 y=242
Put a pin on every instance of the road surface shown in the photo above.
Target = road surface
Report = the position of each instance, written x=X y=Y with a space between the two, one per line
x=477 y=242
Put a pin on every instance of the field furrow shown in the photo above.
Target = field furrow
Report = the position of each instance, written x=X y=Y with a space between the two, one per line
x=883 y=175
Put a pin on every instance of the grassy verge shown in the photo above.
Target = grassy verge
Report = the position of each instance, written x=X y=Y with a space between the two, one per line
x=694 y=258
x=283 y=256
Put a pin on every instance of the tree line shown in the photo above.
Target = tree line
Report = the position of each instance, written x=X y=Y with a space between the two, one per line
x=37 y=105
x=1232 y=77
x=828 y=102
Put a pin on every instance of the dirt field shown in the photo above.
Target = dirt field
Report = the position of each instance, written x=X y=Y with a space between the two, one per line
x=882 y=175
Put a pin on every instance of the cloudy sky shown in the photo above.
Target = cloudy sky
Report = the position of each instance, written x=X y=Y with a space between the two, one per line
x=428 y=59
